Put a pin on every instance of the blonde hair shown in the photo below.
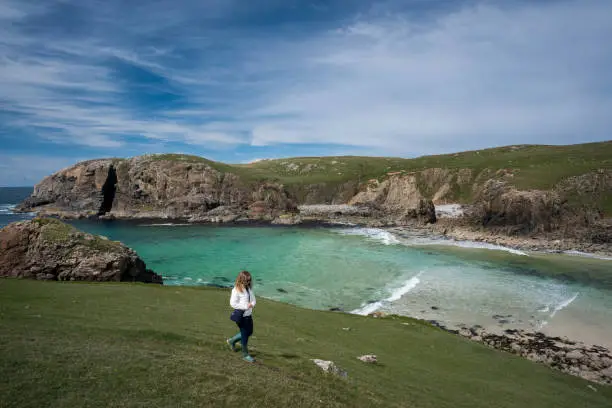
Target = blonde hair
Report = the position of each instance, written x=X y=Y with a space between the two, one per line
x=243 y=281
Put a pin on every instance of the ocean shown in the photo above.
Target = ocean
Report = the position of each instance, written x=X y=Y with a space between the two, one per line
x=362 y=270
x=9 y=197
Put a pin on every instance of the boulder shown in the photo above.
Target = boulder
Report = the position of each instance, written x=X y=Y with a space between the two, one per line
x=49 y=249
x=574 y=355
x=330 y=367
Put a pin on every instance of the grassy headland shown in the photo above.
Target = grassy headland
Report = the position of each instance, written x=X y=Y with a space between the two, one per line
x=530 y=166
x=95 y=345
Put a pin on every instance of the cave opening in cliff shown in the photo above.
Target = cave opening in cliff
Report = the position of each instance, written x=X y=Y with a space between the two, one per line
x=108 y=191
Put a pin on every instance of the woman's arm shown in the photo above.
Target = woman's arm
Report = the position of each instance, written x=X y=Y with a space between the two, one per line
x=253 y=300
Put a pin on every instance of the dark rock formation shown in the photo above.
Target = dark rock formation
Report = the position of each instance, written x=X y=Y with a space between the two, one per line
x=572 y=209
x=49 y=249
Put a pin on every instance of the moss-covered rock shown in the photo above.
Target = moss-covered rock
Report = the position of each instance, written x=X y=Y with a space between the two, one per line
x=49 y=249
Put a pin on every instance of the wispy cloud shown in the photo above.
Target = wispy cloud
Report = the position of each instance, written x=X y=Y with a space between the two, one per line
x=399 y=78
x=480 y=76
x=27 y=170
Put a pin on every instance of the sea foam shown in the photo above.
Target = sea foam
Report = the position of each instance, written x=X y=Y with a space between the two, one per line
x=376 y=234
x=166 y=224
x=388 y=238
x=396 y=294
x=6 y=208
x=563 y=305
x=483 y=245
x=587 y=255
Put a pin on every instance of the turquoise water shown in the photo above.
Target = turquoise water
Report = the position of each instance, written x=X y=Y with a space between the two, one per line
x=363 y=270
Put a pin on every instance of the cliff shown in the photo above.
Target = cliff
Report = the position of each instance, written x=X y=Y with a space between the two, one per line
x=560 y=191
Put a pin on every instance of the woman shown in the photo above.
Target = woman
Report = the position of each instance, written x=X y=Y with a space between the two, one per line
x=243 y=299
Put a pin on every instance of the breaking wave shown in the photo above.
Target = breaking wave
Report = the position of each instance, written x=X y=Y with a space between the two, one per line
x=396 y=294
x=6 y=208
x=376 y=234
x=563 y=305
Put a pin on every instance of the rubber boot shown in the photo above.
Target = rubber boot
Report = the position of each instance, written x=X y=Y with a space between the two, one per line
x=245 y=354
x=233 y=340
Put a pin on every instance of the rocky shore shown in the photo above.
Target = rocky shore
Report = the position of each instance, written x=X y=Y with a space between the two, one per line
x=521 y=243
x=593 y=363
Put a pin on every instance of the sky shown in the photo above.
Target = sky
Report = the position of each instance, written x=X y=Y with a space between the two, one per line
x=237 y=81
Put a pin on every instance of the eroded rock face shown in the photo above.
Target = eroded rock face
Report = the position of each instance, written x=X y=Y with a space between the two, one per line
x=76 y=188
x=48 y=249
x=398 y=197
x=148 y=186
x=570 y=209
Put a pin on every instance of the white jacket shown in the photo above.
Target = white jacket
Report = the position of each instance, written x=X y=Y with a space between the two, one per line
x=240 y=300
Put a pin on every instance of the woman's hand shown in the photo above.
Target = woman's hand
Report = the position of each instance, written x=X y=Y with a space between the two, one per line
x=250 y=306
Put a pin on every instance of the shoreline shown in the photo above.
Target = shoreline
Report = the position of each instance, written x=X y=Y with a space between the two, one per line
x=591 y=362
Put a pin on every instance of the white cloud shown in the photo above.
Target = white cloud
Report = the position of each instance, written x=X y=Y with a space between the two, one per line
x=27 y=170
x=484 y=75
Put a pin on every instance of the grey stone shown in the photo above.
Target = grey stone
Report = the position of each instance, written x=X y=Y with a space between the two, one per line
x=575 y=355
x=368 y=358
x=330 y=367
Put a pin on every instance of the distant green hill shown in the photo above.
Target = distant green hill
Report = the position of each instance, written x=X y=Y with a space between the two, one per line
x=122 y=345
x=540 y=167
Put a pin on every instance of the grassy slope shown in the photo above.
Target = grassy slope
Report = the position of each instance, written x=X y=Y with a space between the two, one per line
x=120 y=345
x=538 y=166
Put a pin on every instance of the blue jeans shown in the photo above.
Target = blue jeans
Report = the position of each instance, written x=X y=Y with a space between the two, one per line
x=246 y=330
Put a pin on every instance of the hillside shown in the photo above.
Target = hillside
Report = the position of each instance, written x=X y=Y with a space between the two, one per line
x=532 y=167
x=95 y=345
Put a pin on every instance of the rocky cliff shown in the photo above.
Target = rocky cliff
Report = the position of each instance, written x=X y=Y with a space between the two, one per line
x=496 y=199
x=572 y=208
x=48 y=249
x=151 y=187
x=158 y=187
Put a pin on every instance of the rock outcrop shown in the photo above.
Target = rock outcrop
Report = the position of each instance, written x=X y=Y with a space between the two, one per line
x=399 y=197
x=569 y=210
x=154 y=187
x=48 y=249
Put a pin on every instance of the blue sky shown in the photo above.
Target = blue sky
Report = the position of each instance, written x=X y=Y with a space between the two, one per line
x=242 y=80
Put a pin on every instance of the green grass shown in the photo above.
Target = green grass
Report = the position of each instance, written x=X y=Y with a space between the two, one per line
x=56 y=231
x=124 y=345
x=535 y=166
